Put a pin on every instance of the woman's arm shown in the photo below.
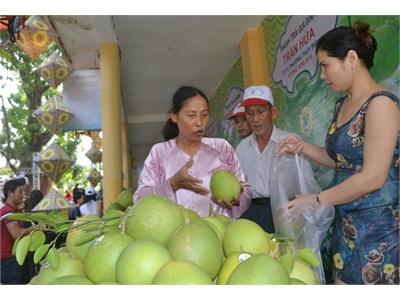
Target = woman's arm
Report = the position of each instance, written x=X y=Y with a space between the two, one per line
x=293 y=144
x=381 y=133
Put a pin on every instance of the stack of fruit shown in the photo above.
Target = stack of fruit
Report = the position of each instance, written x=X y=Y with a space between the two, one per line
x=157 y=241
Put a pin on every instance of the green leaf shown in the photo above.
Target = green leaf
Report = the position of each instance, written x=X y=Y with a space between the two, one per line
x=62 y=227
x=22 y=249
x=308 y=256
x=38 y=238
x=18 y=217
x=87 y=237
x=14 y=248
x=39 y=217
x=40 y=253
x=53 y=258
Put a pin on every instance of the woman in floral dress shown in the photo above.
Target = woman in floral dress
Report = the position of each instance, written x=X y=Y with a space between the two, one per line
x=362 y=144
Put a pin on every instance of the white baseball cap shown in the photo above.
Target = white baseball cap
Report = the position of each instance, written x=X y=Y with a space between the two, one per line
x=238 y=111
x=90 y=191
x=257 y=95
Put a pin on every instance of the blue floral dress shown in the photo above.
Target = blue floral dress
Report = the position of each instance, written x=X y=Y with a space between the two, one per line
x=365 y=241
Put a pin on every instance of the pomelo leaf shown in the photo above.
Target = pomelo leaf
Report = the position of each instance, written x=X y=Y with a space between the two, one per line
x=53 y=258
x=87 y=237
x=40 y=253
x=38 y=239
x=14 y=248
x=18 y=217
x=22 y=249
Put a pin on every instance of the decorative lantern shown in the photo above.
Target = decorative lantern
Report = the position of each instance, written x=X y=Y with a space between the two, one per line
x=53 y=114
x=94 y=154
x=54 y=69
x=52 y=201
x=54 y=162
x=94 y=177
x=36 y=36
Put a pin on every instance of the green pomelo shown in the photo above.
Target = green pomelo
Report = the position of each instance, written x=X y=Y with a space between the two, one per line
x=154 y=217
x=226 y=220
x=73 y=280
x=69 y=265
x=78 y=232
x=259 y=269
x=288 y=261
x=217 y=225
x=114 y=206
x=140 y=261
x=303 y=272
x=230 y=263
x=198 y=243
x=125 y=198
x=224 y=185
x=245 y=236
x=103 y=255
x=181 y=272
x=189 y=214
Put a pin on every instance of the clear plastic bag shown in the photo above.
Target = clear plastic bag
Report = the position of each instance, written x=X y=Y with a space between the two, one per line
x=290 y=176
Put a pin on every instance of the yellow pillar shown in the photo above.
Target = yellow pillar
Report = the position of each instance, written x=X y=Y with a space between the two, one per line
x=252 y=52
x=125 y=156
x=111 y=121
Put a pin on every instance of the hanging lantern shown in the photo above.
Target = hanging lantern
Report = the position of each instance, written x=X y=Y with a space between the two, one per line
x=52 y=201
x=94 y=177
x=53 y=162
x=94 y=154
x=36 y=36
x=53 y=114
x=54 y=69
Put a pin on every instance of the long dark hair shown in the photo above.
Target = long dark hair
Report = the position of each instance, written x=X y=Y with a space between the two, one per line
x=338 y=41
x=34 y=198
x=170 y=130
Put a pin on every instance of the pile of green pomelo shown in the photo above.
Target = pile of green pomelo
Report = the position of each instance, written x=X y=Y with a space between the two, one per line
x=157 y=241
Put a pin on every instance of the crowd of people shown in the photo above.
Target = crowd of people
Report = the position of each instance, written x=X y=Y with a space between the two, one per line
x=362 y=146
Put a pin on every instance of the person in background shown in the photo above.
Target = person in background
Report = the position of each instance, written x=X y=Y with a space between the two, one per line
x=181 y=167
x=11 y=272
x=240 y=123
x=34 y=198
x=256 y=152
x=362 y=145
x=90 y=206
x=78 y=198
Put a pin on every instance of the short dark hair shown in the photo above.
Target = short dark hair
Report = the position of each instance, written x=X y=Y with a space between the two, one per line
x=11 y=186
x=339 y=41
x=170 y=130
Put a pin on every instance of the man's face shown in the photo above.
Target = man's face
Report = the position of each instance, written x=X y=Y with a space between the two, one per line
x=260 y=118
x=242 y=126
x=17 y=197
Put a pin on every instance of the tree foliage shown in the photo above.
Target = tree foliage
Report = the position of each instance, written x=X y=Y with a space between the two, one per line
x=21 y=133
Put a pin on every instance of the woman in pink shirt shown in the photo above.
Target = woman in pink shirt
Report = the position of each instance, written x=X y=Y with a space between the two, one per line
x=181 y=168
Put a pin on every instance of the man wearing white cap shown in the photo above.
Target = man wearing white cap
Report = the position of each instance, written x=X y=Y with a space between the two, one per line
x=239 y=122
x=89 y=207
x=257 y=151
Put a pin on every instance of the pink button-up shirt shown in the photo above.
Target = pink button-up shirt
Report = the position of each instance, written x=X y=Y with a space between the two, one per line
x=167 y=158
